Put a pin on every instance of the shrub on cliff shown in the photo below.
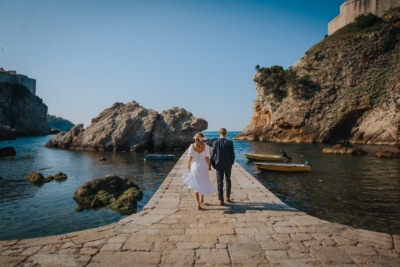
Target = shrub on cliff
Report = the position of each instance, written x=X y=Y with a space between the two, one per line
x=273 y=81
x=277 y=81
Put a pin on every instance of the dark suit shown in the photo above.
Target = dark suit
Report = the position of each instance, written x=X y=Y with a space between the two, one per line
x=222 y=158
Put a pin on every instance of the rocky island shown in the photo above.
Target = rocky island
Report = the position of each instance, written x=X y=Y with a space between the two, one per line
x=21 y=112
x=344 y=89
x=131 y=127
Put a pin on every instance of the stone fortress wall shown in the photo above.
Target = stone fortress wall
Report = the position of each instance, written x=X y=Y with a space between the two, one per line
x=12 y=77
x=354 y=8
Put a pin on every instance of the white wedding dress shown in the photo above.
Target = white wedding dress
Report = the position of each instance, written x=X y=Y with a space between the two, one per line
x=198 y=178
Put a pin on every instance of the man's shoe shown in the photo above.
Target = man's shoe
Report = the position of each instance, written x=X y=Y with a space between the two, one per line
x=221 y=203
x=227 y=200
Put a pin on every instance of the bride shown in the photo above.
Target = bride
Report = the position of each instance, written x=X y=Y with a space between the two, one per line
x=198 y=178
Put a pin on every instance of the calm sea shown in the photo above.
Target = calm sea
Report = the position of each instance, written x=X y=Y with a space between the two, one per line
x=360 y=191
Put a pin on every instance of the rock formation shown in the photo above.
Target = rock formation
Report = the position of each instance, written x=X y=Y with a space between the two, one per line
x=344 y=89
x=113 y=191
x=130 y=127
x=339 y=149
x=21 y=111
x=36 y=178
x=175 y=128
x=388 y=154
x=7 y=151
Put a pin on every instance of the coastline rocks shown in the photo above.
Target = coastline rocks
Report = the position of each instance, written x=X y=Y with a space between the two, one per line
x=175 y=128
x=7 y=151
x=387 y=154
x=116 y=192
x=130 y=127
x=36 y=178
x=22 y=111
x=339 y=149
x=347 y=90
x=6 y=133
x=59 y=176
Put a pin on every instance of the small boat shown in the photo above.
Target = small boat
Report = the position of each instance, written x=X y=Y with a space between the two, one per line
x=283 y=167
x=156 y=156
x=282 y=157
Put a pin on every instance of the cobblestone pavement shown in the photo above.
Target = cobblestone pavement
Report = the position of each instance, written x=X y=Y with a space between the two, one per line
x=256 y=229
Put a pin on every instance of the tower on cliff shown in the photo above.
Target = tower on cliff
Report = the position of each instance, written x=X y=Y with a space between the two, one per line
x=351 y=9
x=11 y=76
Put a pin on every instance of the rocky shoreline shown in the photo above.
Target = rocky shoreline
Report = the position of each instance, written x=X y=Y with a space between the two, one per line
x=21 y=113
x=344 y=89
x=131 y=127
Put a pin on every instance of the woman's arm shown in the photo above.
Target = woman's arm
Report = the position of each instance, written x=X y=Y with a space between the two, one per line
x=190 y=162
x=208 y=163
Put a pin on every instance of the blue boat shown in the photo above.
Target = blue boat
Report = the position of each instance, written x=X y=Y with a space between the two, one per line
x=146 y=155
x=158 y=157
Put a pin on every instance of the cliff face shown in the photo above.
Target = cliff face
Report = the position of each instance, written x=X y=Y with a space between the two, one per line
x=22 y=111
x=351 y=91
x=130 y=127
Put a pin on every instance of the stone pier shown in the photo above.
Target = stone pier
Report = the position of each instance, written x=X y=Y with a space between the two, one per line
x=256 y=229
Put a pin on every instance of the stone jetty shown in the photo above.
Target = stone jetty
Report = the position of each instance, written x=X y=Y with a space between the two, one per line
x=256 y=229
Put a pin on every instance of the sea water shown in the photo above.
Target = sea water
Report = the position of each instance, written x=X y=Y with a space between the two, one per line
x=360 y=191
x=28 y=211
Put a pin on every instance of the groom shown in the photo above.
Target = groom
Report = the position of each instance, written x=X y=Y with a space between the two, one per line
x=222 y=159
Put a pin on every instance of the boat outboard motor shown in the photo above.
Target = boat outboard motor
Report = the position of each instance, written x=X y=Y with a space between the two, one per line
x=283 y=154
x=144 y=154
x=308 y=163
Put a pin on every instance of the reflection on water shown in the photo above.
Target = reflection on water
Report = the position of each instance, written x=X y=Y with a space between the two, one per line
x=360 y=191
x=27 y=211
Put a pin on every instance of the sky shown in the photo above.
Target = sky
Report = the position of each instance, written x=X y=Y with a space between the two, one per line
x=198 y=55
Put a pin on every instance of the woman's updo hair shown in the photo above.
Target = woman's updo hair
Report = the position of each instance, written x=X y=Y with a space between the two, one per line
x=198 y=139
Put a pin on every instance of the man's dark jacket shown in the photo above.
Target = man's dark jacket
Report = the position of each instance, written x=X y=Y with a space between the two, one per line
x=223 y=154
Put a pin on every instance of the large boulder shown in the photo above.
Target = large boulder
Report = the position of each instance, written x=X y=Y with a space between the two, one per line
x=175 y=128
x=123 y=127
x=130 y=127
x=117 y=192
x=339 y=149
x=36 y=178
x=7 y=151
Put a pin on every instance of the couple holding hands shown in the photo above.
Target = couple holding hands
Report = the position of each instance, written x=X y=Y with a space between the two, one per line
x=222 y=158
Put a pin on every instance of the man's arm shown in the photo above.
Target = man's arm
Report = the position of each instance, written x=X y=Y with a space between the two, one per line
x=232 y=152
x=212 y=157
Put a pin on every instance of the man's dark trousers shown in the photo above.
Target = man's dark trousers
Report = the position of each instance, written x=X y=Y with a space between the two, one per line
x=223 y=157
x=220 y=183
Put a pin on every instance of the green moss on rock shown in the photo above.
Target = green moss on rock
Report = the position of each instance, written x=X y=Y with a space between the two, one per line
x=59 y=176
x=36 y=178
x=119 y=193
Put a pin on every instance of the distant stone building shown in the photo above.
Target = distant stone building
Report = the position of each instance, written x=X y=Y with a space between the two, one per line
x=11 y=76
x=351 y=9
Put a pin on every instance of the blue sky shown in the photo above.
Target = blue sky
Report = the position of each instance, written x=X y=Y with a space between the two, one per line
x=199 y=55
